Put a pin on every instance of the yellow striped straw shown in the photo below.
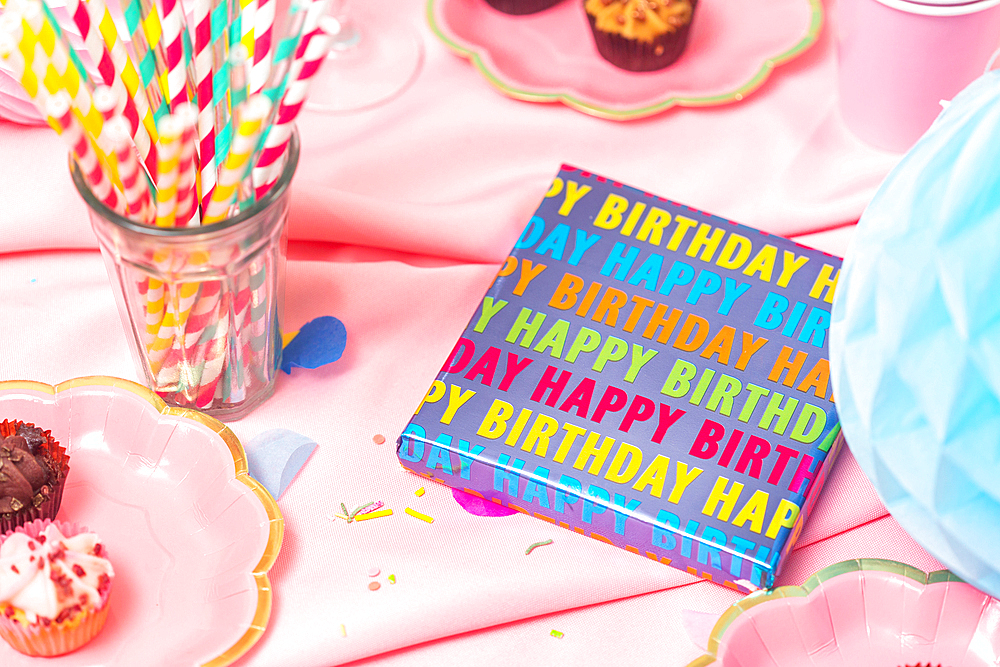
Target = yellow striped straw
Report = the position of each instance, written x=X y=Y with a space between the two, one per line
x=123 y=64
x=171 y=129
x=47 y=57
x=252 y=116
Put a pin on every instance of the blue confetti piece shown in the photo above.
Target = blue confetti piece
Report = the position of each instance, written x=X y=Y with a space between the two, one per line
x=318 y=343
x=275 y=457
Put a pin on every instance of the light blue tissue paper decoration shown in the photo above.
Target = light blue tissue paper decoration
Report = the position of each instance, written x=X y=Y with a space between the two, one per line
x=275 y=457
x=915 y=338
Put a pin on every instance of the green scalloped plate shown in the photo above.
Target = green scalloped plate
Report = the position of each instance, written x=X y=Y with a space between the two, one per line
x=733 y=47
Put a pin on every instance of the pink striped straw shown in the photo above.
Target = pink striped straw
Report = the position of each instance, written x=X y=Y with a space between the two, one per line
x=187 y=195
x=135 y=189
x=313 y=51
x=204 y=82
x=59 y=109
x=260 y=71
x=173 y=46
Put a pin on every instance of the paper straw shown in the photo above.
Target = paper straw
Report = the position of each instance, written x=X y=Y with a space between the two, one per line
x=143 y=133
x=187 y=195
x=220 y=86
x=237 y=162
x=145 y=57
x=168 y=171
x=135 y=189
x=61 y=118
x=203 y=67
x=74 y=58
x=152 y=29
x=284 y=52
x=106 y=102
x=177 y=86
x=99 y=52
x=10 y=38
x=269 y=164
x=238 y=59
x=260 y=72
x=43 y=50
x=152 y=290
x=248 y=13
x=215 y=357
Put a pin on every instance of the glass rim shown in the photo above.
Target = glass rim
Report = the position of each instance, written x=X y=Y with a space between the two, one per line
x=279 y=187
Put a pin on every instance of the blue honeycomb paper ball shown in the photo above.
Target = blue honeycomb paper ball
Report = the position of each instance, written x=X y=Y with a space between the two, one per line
x=915 y=338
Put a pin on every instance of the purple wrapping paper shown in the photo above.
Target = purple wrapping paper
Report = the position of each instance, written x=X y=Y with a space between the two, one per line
x=647 y=375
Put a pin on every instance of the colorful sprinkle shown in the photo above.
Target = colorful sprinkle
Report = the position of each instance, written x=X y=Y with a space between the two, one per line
x=556 y=634
x=392 y=578
x=374 y=586
x=535 y=546
x=374 y=572
x=373 y=515
x=379 y=439
x=420 y=492
x=361 y=508
x=371 y=508
x=343 y=630
x=418 y=515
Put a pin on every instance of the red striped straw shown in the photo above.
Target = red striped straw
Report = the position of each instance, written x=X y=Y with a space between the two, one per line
x=173 y=46
x=260 y=70
x=135 y=188
x=187 y=194
x=59 y=110
x=204 y=83
x=312 y=53
x=215 y=355
x=246 y=135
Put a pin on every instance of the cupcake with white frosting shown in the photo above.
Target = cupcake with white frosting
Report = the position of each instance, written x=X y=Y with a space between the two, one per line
x=55 y=580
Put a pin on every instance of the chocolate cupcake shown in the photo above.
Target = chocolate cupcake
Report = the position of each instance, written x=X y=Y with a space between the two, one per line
x=518 y=7
x=640 y=35
x=33 y=469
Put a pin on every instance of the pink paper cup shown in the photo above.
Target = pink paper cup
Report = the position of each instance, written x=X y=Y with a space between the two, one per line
x=899 y=59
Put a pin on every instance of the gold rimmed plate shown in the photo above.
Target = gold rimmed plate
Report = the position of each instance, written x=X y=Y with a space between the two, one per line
x=190 y=534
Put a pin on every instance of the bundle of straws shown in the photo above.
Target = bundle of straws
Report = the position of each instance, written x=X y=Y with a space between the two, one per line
x=176 y=127
x=180 y=129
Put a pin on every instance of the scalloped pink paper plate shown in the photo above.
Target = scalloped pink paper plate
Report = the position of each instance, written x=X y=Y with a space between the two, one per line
x=860 y=613
x=733 y=47
x=190 y=534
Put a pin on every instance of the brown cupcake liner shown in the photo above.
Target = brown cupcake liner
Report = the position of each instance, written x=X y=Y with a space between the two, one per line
x=637 y=56
x=520 y=7
x=58 y=464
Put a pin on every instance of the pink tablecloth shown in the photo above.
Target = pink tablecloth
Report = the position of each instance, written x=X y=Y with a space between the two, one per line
x=401 y=216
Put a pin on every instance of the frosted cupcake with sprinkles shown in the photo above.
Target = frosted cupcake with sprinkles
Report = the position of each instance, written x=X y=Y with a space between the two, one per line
x=55 y=581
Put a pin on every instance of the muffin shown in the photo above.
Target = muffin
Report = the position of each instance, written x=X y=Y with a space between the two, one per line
x=521 y=6
x=33 y=469
x=55 y=580
x=640 y=35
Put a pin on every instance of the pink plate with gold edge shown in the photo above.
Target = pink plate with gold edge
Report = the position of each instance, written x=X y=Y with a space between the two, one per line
x=733 y=47
x=190 y=534
x=860 y=613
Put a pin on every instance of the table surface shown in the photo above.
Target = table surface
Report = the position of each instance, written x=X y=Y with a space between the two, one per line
x=401 y=215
